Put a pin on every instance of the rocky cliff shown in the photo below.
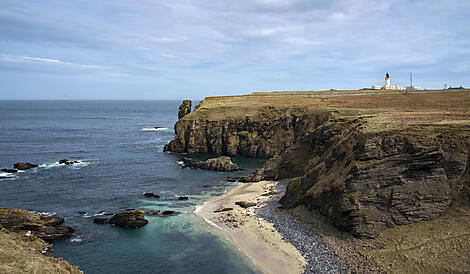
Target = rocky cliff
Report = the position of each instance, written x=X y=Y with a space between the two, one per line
x=366 y=162
x=263 y=134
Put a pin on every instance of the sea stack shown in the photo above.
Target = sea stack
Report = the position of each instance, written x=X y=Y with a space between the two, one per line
x=184 y=109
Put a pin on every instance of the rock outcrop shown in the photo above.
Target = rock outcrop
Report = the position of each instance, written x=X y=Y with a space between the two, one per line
x=184 y=109
x=129 y=219
x=48 y=228
x=24 y=166
x=222 y=163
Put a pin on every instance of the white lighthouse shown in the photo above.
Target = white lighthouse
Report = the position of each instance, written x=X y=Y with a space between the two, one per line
x=388 y=85
x=387 y=81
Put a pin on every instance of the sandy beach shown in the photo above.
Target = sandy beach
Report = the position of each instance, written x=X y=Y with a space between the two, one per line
x=254 y=236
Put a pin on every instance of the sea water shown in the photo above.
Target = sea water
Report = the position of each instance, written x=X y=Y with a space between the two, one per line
x=119 y=147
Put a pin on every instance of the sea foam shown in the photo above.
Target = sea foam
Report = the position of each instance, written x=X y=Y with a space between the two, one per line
x=163 y=129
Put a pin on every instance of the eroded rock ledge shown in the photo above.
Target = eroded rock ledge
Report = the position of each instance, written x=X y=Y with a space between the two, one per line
x=366 y=168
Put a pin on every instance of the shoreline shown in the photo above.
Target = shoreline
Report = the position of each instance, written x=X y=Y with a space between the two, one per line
x=254 y=236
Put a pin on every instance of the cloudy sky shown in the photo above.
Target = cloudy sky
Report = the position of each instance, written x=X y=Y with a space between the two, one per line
x=151 y=49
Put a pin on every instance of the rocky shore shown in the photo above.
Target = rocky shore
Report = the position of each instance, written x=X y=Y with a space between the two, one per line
x=309 y=238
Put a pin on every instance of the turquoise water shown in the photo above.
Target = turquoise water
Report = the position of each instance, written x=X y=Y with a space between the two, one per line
x=122 y=157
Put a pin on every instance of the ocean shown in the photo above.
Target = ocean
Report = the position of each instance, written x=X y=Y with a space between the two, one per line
x=121 y=156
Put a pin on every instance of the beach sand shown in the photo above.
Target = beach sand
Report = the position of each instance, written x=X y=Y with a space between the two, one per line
x=254 y=236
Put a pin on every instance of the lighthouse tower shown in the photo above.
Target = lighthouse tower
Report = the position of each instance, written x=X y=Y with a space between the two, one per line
x=387 y=81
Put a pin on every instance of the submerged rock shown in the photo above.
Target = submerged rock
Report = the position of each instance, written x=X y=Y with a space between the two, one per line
x=151 y=195
x=24 y=166
x=183 y=198
x=168 y=213
x=222 y=163
x=101 y=220
x=129 y=219
x=48 y=228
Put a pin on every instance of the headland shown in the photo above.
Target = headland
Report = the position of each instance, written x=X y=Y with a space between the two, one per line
x=386 y=172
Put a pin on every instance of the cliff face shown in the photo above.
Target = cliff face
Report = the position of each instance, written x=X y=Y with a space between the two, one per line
x=366 y=169
x=365 y=182
x=268 y=132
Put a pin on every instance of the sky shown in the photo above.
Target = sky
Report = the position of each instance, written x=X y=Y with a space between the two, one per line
x=152 y=49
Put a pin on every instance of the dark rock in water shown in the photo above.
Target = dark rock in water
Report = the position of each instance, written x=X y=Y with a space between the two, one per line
x=153 y=212
x=48 y=228
x=233 y=179
x=9 y=170
x=222 y=209
x=67 y=162
x=101 y=220
x=157 y=127
x=245 y=204
x=205 y=186
x=129 y=219
x=168 y=213
x=184 y=109
x=24 y=166
x=82 y=212
x=150 y=195
x=183 y=198
x=222 y=163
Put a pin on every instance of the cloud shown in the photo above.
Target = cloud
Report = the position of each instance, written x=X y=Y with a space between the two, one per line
x=46 y=61
x=200 y=46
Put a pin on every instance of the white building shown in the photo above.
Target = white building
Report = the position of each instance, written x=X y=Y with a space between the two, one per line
x=388 y=86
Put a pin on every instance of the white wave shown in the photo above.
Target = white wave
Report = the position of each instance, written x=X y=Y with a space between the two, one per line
x=212 y=224
x=44 y=213
x=7 y=176
x=181 y=163
x=89 y=215
x=198 y=208
x=76 y=239
x=57 y=164
x=163 y=129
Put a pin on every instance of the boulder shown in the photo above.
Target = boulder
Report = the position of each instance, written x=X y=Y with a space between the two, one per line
x=183 y=198
x=245 y=204
x=6 y=170
x=24 y=166
x=101 y=220
x=184 y=109
x=129 y=219
x=222 y=163
x=48 y=228
x=222 y=209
